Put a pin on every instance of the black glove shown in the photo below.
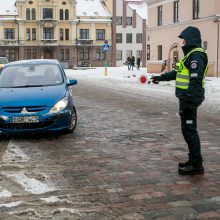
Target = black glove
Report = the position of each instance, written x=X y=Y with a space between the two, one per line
x=156 y=79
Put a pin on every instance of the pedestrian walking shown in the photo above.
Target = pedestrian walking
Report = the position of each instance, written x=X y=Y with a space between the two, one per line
x=190 y=80
x=138 y=63
x=132 y=63
x=128 y=63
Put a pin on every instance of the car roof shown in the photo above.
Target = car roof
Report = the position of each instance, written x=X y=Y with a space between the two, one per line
x=33 y=62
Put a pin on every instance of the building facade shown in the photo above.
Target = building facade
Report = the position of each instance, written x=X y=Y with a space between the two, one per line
x=47 y=29
x=129 y=21
x=93 y=31
x=167 y=20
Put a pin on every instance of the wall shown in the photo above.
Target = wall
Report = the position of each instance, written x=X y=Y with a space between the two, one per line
x=167 y=34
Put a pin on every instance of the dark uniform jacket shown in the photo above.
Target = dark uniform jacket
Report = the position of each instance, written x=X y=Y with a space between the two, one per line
x=196 y=64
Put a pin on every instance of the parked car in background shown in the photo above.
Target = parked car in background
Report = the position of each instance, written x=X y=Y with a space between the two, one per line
x=3 y=62
x=36 y=96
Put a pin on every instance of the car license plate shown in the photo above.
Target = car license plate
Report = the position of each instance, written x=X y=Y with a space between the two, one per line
x=26 y=119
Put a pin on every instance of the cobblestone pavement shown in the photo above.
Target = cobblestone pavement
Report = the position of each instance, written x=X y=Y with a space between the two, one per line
x=120 y=164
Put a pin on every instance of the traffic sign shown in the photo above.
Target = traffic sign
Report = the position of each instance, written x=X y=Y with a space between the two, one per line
x=105 y=47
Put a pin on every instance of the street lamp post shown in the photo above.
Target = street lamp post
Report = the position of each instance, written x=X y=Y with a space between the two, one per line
x=77 y=49
x=18 y=36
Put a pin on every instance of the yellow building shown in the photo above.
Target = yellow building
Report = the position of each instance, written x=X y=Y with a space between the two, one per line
x=53 y=29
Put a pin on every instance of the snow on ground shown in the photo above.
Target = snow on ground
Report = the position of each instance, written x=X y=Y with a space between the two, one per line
x=120 y=79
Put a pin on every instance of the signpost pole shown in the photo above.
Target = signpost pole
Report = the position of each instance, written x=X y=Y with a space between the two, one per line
x=105 y=49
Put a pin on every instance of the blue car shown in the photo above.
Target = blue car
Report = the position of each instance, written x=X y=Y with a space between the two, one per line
x=36 y=97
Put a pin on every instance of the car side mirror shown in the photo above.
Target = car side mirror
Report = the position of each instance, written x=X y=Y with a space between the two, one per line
x=72 y=82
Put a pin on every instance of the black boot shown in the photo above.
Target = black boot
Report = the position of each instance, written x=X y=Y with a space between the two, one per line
x=191 y=169
x=184 y=164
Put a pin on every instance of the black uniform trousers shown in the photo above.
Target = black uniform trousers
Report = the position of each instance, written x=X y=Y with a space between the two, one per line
x=188 y=114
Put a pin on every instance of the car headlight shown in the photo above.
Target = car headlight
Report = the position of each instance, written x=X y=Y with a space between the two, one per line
x=60 y=105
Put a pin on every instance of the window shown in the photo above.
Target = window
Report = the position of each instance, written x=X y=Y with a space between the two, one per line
x=34 y=34
x=28 y=14
x=129 y=21
x=175 y=11
x=28 y=34
x=67 y=54
x=62 y=54
x=61 y=14
x=205 y=45
x=33 y=12
x=129 y=53
x=10 y=54
x=103 y=55
x=100 y=34
x=119 y=55
x=148 y=52
x=84 y=33
x=118 y=20
x=61 y=34
x=31 y=54
x=66 y=14
x=47 y=13
x=159 y=52
x=139 y=53
x=28 y=54
x=98 y=54
x=34 y=54
x=128 y=38
x=159 y=15
x=119 y=38
x=66 y=34
x=48 y=33
x=84 y=54
x=9 y=33
x=195 y=9
x=139 y=38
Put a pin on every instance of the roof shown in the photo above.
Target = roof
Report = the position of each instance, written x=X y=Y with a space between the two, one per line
x=91 y=8
x=7 y=7
x=33 y=62
x=141 y=9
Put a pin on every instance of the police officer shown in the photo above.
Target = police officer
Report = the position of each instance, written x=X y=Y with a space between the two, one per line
x=190 y=79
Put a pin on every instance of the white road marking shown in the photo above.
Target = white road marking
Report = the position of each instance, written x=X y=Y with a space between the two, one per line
x=5 y=194
x=14 y=154
x=10 y=205
x=51 y=199
x=31 y=185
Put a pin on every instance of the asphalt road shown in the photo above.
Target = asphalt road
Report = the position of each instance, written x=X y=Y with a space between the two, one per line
x=121 y=163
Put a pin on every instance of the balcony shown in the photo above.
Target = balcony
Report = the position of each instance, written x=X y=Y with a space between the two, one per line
x=48 y=22
x=85 y=42
x=11 y=42
x=48 y=42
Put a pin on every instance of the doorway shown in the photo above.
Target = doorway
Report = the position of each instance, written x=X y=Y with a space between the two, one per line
x=48 y=54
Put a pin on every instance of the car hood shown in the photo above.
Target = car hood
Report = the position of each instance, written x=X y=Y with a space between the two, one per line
x=35 y=96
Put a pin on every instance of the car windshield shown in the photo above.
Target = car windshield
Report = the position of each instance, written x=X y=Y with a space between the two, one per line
x=30 y=76
x=3 y=60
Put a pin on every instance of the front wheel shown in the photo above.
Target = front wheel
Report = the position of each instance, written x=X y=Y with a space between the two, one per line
x=73 y=121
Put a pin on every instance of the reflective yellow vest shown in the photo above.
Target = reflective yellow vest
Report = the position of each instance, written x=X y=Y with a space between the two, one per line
x=183 y=76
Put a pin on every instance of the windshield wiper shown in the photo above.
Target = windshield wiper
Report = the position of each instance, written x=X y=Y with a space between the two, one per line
x=26 y=86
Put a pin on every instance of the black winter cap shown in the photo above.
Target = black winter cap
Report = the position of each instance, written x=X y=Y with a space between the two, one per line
x=192 y=36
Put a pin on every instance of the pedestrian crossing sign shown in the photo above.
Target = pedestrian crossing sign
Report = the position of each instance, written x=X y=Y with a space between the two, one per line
x=105 y=47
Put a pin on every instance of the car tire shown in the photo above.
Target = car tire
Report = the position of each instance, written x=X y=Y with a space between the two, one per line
x=73 y=121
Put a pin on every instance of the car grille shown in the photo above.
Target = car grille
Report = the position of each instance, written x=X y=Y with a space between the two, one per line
x=20 y=126
x=29 y=109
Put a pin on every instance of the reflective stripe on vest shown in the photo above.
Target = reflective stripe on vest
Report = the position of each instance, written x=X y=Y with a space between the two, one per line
x=183 y=76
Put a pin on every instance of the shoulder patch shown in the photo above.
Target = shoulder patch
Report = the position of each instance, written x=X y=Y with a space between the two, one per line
x=194 y=64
